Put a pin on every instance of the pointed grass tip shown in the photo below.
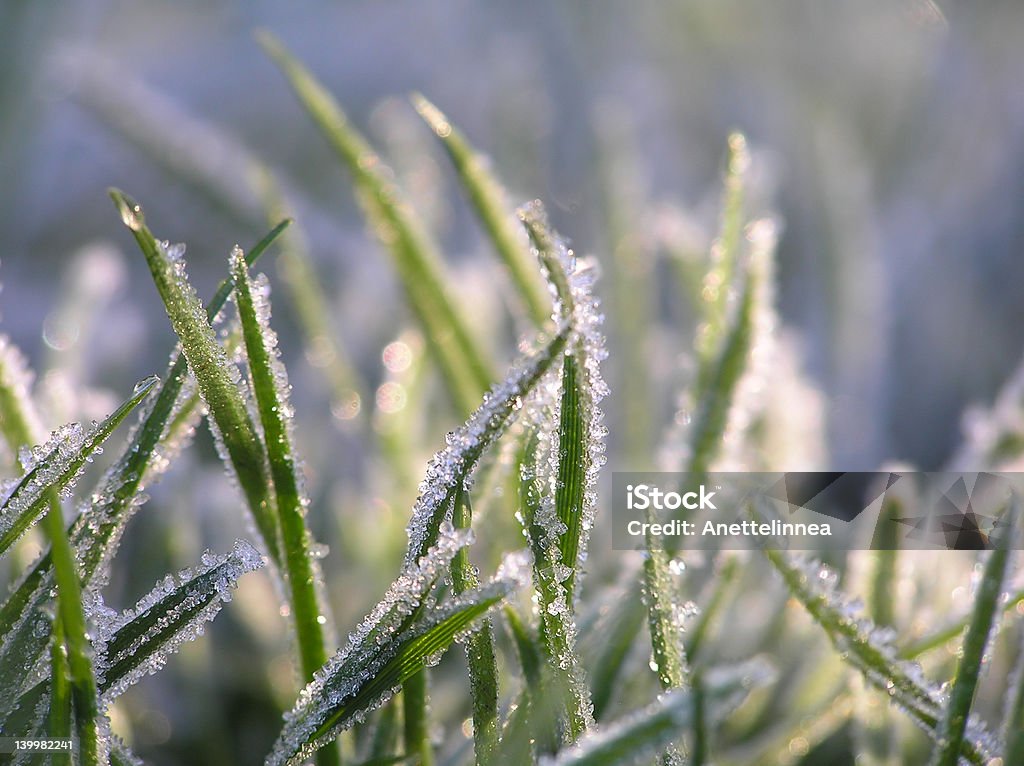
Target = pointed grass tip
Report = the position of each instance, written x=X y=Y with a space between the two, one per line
x=130 y=210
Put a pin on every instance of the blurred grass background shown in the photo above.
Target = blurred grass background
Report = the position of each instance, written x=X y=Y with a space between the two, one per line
x=888 y=139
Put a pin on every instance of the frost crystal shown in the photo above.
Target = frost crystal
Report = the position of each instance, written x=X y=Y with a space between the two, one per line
x=139 y=640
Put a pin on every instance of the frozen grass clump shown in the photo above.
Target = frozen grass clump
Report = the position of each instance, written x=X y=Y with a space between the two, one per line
x=565 y=655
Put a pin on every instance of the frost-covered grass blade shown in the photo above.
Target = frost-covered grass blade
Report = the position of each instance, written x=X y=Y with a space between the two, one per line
x=163 y=429
x=56 y=466
x=869 y=649
x=217 y=379
x=405 y=632
x=270 y=385
x=459 y=356
x=449 y=468
x=639 y=736
x=488 y=199
x=483 y=667
x=139 y=640
x=953 y=726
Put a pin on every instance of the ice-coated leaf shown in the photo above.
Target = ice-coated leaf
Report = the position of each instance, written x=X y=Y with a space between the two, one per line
x=870 y=650
x=450 y=469
x=271 y=387
x=56 y=466
x=405 y=631
x=558 y=629
x=488 y=199
x=139 y=640
x=218 y=380
x=463 y=363
x=572 y=470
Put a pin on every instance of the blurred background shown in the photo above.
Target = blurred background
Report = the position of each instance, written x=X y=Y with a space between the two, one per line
x=887 y=140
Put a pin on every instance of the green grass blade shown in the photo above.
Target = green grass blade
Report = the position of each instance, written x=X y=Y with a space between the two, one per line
x=557 y=627
x=527 y=649
x=572 y=468
x=725 y=372
x=1013 y=720
x=30 y=713
x=663 y=622
x=270 y=386
x=954 y=723
x=415 y=718
x=862 y=647
x=59 y=724
x=725 y=256
x=96 y=531
x=635 y=739
x=57 y=465
x=488 y=199
x=581 y=430
x=944 y=635
x=72 y=619
x=364 y=675
x=138 y=641
x=483 y=667
x=459 y=356
x=468 y=444
x=697 y=635
x=19 y=423
x=553 y=256
x=214 y=374
x=623 y=624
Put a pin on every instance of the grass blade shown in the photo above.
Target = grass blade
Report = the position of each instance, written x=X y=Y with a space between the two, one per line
x=216 y=377
x=954 y=723
x=725 y=256
x=868 y=649
x=138 y=641
x=415 y=720
x=56 y=466
x=663 y=619
x=404 y=632
x=572 y=469
x=487 y=198
x=621 y=628
x=95 y=533
x=557 y=628
x=270 y=385
x=59 y=724
x=462 y=362
x=483 y=667
x=450 y=467
x=1013 y=720
x=19 y=422
x=72 y=618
